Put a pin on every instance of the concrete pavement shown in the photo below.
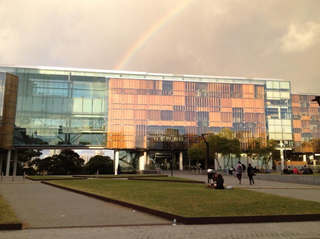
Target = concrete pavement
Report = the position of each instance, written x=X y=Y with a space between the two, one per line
x=294 y=190
x=43 y=206
x=293 y=230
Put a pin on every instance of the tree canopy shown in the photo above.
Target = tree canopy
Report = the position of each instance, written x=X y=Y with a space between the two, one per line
x=66 y=163
x=102 y=163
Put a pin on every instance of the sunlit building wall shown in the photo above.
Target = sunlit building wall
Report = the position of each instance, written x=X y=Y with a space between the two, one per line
x=142 y=113
x=306 y=123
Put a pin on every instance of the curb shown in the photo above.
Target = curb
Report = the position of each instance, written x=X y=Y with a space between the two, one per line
x=171 y=181
x=202 y=220
x=54 y=179
x=10 y=226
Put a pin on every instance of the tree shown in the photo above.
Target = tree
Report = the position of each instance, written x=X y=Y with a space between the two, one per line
x=266 y=153
x=198 y=151
x=25 y=161
x=66 y=163
x=102 y=163
x=228 y=144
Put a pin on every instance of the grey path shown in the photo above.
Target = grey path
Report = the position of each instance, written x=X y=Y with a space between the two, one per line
x=299 y=191
x=41 y=206
x=296 y=230
x=83 y=211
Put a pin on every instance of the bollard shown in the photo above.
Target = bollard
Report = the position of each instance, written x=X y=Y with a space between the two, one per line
x=97 y=173
x=24 y=176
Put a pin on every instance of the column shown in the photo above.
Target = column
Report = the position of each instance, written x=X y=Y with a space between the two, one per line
x=8 y=162
x=142 y=161
x=1 y=160
x=15 y=163
x=281 y=154
x=116 y=162
x=304 y=157
x=180 y=160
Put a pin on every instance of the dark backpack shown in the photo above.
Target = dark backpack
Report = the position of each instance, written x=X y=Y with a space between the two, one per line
x=244 y=167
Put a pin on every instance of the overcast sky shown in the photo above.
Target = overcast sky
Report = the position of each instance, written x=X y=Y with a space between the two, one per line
x=246 y=38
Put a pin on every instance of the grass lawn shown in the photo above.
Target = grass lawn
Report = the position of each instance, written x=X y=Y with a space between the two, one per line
x=193 y=200
x=6 y=213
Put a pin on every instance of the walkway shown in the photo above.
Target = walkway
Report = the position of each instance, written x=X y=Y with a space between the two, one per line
x=299 y=191
x=42 y=206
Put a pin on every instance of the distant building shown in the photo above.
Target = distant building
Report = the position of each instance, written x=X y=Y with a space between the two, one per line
x=147 y=118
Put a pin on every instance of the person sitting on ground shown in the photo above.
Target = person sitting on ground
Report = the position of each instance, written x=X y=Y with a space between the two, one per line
x=268 y=170
x=214 y=179
x=262 y=170
x=285 y=170
x=311 y=170
x=256 y=169
x=220 y=182
x=231 y=170
x=295 y=170
x=306 y=170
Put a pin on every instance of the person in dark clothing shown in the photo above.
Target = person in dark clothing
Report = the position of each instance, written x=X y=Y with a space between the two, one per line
x=250 y=171
x=220 y=182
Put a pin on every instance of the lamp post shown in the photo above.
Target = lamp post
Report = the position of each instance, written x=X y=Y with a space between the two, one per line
x=207 y=155
x=172 y=148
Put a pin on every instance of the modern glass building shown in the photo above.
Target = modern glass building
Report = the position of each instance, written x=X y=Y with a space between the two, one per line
x=306 y=126
x=146 y=118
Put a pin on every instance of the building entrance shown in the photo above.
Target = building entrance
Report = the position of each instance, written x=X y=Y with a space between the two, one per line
x=163 y=160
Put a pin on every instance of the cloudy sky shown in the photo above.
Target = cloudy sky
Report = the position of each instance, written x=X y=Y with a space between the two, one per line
x=247 y=38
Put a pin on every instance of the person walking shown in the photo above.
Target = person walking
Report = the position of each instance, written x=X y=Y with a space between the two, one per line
x=239 y=171
x=250 y=171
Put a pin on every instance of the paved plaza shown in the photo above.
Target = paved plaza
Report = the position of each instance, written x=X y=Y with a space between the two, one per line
x=49 y=212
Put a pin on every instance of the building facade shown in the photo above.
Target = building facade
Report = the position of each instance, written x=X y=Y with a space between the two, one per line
x=146 y=118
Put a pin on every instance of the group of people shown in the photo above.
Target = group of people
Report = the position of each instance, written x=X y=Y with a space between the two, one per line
x=304 y=170
x=240 y=169
x=218 y=181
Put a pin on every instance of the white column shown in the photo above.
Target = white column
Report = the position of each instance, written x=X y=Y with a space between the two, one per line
x=15 y=163
x=180 y=160
x=8 y=162
x=116 y=162
x=304 y=157
x=142 y=161
x=282 y=158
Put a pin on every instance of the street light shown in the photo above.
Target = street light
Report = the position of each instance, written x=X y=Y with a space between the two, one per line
x=207 y=144
x=172 y=148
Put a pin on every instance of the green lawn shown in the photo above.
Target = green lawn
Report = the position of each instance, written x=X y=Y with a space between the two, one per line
x=193 y=200
x=6 y=213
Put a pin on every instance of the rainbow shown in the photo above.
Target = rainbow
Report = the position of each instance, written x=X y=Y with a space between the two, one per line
x=151 y=32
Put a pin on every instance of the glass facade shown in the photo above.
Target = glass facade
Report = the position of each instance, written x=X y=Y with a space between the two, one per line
x=136 y=112
x=306 y=123
x=278 y=111
x=161 y=115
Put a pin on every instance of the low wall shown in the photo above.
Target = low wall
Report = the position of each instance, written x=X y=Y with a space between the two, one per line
x=289 y=178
